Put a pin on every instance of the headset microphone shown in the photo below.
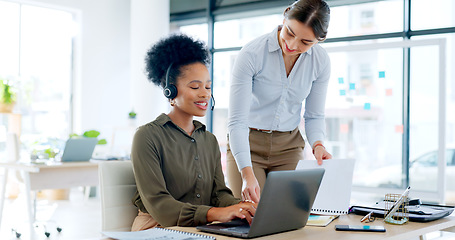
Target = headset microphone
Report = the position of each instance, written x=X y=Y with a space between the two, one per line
x=213 y=100
x=170 y=91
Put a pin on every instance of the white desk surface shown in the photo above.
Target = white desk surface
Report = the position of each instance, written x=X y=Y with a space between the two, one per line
x=53 y=175
x=48 y=175
x=36 y=166
x=393 y=232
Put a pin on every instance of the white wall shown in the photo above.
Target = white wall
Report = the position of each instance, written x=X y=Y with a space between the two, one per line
x=149 y=23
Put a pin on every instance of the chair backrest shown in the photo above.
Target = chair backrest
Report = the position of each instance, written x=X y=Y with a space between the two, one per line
x=117 y=187
x=12 y=147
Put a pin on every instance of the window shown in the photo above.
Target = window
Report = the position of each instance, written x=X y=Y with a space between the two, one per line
x=368 y=18
x=9 y=44
x=363 y=111
x=238 y=32
x=367 y=108
x=425 y=69
x=434 y=14
x=37 y=57
x=198 y=31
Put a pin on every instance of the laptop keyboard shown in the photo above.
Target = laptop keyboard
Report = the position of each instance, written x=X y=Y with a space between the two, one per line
x=238 y=229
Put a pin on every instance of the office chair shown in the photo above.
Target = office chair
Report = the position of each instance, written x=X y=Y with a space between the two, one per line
x=117 y=187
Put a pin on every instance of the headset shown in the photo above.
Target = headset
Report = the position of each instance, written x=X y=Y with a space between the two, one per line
x=170 y=90
x=213 y=100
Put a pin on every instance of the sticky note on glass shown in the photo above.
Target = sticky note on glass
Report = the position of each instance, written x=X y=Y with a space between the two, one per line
x=340 y=80
x=367 y=106
x=342 y=92
x=399 y=129
x=381 y=74
x=351 y=86
x=344 y=128
x=388 y=92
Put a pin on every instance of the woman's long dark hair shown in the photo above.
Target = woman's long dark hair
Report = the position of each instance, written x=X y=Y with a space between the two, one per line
x=314 y=13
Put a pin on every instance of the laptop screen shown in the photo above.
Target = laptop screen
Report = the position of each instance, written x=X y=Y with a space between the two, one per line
x=79 y=149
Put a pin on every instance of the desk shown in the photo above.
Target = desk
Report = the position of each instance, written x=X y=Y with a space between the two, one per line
x=49 y=175
x=410 y=230
x=394 y=232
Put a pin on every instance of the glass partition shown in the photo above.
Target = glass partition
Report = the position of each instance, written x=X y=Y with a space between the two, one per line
x=238 y=32
x=432 y=14
x=364 y=112
x=367 y=18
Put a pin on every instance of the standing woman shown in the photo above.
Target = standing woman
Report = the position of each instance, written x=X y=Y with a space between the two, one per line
x=176 y=161
x=272 y=76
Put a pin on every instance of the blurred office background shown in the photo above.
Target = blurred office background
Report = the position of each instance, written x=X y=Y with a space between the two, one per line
x=77 y=65
x=391 y=96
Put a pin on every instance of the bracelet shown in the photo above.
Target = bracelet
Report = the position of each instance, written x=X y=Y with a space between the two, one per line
x=318 y=144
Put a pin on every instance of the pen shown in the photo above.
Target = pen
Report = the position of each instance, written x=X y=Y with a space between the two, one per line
x=397 y=204
x=366 y=217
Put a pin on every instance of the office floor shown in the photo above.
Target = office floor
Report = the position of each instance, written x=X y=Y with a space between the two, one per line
x=79 y=219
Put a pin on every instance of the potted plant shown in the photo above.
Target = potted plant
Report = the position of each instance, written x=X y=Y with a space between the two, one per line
x=7 y=96
x=132 y=114
x=132 y=118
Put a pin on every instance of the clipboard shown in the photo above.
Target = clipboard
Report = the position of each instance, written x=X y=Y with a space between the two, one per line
x=417 y=213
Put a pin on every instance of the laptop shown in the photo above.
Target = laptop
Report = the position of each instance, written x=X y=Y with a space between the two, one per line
x=79 y=149
x=286 y=202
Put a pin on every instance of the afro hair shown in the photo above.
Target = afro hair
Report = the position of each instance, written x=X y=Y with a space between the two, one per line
x=178 y=50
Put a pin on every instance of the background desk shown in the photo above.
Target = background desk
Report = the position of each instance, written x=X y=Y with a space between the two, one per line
x=52 y=175
x=394 y=232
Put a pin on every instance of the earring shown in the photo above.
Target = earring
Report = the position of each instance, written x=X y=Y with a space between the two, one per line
x=172 y=102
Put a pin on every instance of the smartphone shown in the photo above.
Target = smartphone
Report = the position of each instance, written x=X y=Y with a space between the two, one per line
x=364 y=228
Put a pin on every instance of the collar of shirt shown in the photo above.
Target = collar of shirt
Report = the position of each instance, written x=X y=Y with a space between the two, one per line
x=273 y=41
x=163 y=119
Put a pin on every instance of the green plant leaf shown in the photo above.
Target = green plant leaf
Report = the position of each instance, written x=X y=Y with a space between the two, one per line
x=50 y=153
x=74 y=135
x=91 y=133
x=7 y=93
x=102 y=142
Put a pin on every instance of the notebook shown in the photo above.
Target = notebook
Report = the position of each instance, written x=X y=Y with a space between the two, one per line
x=334 y=195
x=293 y=191
x=79 y=149
x=157 y=233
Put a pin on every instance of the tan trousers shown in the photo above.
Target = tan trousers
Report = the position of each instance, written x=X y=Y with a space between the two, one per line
x=276 y=151
x=143 y=221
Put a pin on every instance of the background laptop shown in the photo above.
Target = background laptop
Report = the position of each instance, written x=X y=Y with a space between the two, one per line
x=293 y=191
x=79 y=149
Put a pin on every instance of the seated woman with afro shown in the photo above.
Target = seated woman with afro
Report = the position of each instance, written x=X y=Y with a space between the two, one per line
x=176 y=161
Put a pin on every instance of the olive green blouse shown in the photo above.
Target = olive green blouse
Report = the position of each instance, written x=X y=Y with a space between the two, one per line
x=179 y=177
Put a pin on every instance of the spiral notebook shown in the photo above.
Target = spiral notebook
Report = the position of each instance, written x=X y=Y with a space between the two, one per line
x=157 y=233
x=334 y=194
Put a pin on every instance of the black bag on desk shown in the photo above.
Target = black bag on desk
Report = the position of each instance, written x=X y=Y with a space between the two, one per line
x=417 y=213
